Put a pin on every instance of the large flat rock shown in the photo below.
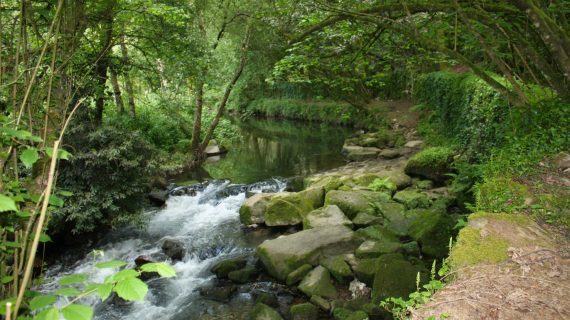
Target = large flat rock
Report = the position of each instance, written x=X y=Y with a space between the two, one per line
x=283 y=255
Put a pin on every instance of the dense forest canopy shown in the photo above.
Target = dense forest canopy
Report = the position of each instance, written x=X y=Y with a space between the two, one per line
x=101 y=101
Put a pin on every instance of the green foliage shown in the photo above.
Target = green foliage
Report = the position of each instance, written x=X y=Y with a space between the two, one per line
x=500 y=194
x=318 y=111
x=433 y=156
x=109 y=177
x=383 y=185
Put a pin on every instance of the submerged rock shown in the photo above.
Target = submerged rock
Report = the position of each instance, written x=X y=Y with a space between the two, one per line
x=158 y=198
x=326 y=216
x=318 y=282
x=264 y=312
x=283 y=255
x=173 y=248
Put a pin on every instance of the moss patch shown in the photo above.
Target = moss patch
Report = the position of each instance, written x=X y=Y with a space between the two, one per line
x=519 y=219
x=472 y=248
x=431 y=163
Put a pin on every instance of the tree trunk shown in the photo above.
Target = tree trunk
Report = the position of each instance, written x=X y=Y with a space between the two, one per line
x=128 y=82
x=117 y=91
x=102 y=63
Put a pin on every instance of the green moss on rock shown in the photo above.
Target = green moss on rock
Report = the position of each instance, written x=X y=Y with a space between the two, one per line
x=304 y=311
x=353 y=202
x=318 y=282
x=298 y=274
x=326 y=216
x=288 y=208
x=395 y=277
x=412 y=199
x=374 y=249
x=431 y=163
x=338 y=268
x=473 y=248
x=264 y=312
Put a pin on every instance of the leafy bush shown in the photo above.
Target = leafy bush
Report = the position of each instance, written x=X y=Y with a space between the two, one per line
x=383 y=185
x=500 y=195
x=109 y=177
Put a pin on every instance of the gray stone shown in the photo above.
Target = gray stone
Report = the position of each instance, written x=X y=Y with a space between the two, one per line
x=327 y=216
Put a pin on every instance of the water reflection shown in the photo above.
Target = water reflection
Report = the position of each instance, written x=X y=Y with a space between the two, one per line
x=269 y=148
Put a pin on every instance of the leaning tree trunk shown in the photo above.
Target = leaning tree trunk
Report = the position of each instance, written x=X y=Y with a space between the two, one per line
x=128 y=82
x=117 y=91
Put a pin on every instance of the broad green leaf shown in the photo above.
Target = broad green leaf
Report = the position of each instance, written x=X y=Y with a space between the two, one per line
x=104 y=290
x=65 y=193
x=163 y=269
x=7 y=204
x=3 y=304
x=124 y=274
x=110 y=264
x=55 y=201
x=49 y=314
x=68 y=292
x=44 y=238
x=29 y=157
x=61 y=154
x=131 y=289
x=71 y=279
x=77 y=312
x=6 y=279
x=40 y=302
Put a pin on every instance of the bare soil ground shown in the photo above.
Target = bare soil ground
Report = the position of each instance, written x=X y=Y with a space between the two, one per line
x=534 y=283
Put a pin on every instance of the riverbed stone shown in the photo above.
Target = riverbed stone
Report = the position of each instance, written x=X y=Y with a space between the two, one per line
x=304 y=311
x=374 y=249
x=220 y=294
x=364 y=219
x=243 y=275
x=326 y=216
x=394 y=277
x=298 y=274
x=432 y=228
x=361 y=153
x=338 y=268
x=289 y=208
x=353 y=202
x=364 y=269
x=173 y=248
x=412 y=199
x=328 y=183
x=318 y=282
x=321 y=302
x=390 y=153
x=396 y=176
x=283 y=255
x=378 y=233
x=264 y=312
x=224 y=267
x=158 y=198
x=253 y=209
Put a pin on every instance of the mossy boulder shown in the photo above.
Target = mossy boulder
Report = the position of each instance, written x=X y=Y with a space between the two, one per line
x=244 y=275
x=364 y=269
x=377 y=232
x=395 y=177
x=353 y=202
x=304 y=311
x=283 y=255
x=363 y=219
x=338 y=268
x=326 y=216
x=431 y=163
x=224 y=267
x=358 y=315
x=318 y=282
x=298 y=274
x=264 y=312
x=253 y=209
x=328 y=183
x=321 y=302
x=412 y=199
x=394 y=277
x=347 y=314
x=432 y=228
x=289 y=208
x=374 y=249
x=395 y=217
x=362 y=153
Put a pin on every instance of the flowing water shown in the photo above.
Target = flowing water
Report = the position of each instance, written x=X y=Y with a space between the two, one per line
x=207 y=223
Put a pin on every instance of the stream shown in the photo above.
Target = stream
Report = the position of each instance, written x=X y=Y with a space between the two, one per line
x=264 y=155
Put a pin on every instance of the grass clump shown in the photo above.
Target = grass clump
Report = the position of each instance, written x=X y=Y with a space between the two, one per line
x=500 y=195
x=433 y=156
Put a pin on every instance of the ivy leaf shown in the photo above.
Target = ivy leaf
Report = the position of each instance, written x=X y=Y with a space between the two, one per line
x=68 y=292
x=7 y=204
x=40 y=302
x=71 y=279
x=131 y=289
x=49 y=314
x=162 y=269
x=77 y=312
x=110 y=264
x=29 y=157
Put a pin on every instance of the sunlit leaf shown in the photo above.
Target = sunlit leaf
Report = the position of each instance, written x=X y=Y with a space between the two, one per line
x=68 y=292
x=131 y=289
x=7 y=204
x=77 y=312
x=110 y=264
x=162 y=269
x=29 y=157
x=71 y=279
x=40 y=302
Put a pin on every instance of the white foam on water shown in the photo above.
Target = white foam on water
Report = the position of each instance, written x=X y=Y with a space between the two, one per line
x=198 y=221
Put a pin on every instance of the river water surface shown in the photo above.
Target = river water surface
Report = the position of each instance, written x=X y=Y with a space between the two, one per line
x=208 y=223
